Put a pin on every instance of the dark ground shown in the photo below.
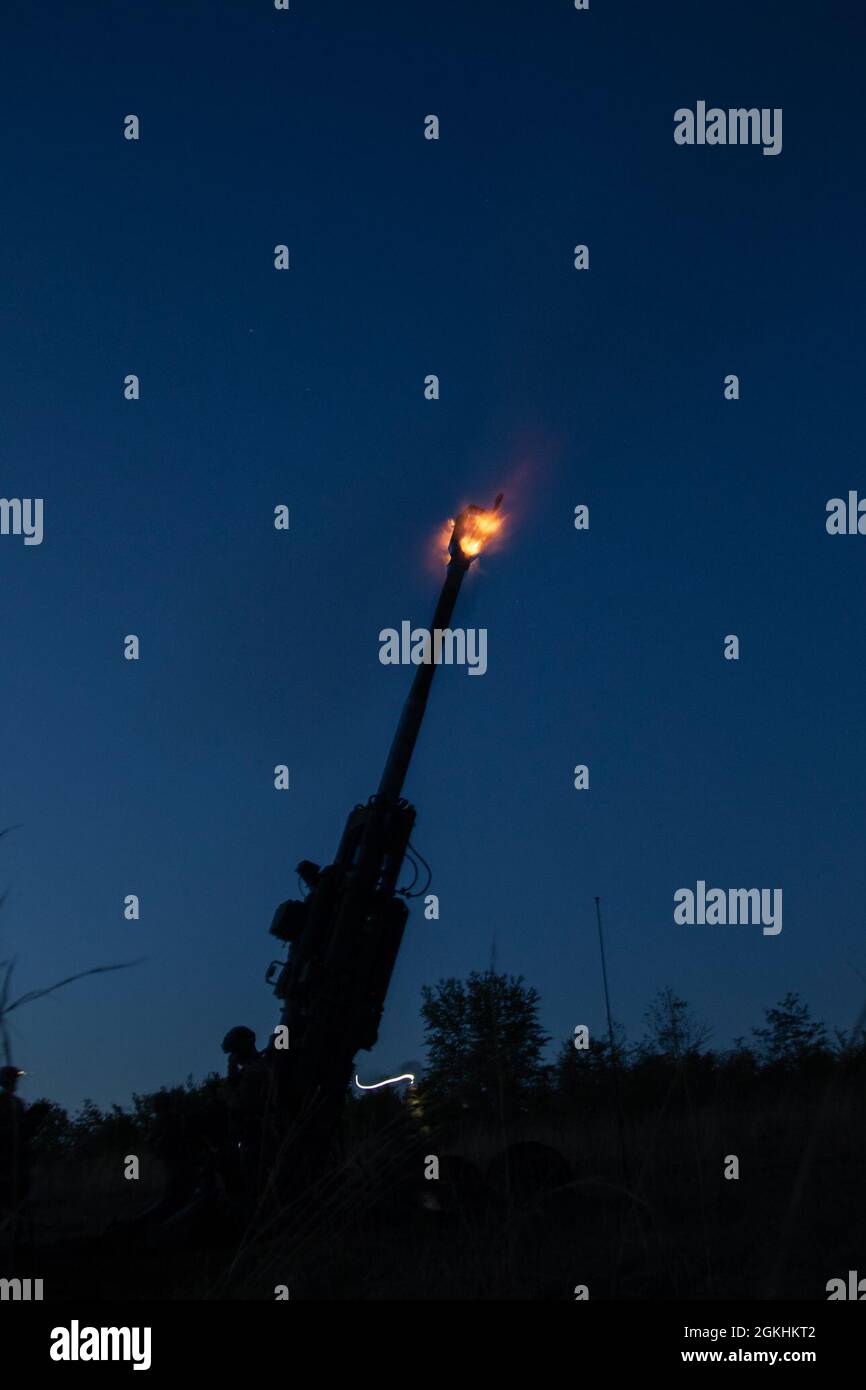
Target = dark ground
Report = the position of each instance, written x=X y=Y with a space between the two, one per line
x=532 y=1227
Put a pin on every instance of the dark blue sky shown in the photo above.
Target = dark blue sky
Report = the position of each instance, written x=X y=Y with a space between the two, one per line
x=306 y=387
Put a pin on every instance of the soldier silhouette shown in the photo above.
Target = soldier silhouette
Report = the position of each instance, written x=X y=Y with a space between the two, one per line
x=14 y=1141
x=249 y=1093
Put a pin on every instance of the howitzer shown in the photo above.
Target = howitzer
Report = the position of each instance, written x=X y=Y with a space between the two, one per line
x=344 y=937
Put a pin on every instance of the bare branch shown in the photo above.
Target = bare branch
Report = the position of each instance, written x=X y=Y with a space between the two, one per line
x=4 y=995
x=7 y=981
x=40 y=993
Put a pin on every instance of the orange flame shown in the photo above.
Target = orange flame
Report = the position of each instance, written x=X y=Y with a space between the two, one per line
x=477 y=528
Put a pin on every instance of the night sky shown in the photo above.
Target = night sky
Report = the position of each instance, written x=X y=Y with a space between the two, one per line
x=306 y=387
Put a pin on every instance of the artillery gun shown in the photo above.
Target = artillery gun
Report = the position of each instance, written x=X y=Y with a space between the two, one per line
x=344 y=936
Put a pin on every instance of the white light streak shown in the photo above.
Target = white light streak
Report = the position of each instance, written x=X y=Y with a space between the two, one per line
x=407 y=1076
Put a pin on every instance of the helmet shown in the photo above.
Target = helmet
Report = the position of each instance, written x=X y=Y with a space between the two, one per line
x=239 y=1039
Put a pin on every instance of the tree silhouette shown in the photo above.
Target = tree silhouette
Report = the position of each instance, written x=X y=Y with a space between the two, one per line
x=673 y=1031
x=484 y=1044
x=792 y=1035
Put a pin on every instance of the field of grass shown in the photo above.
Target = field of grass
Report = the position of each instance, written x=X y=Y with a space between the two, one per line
x=666 y=1224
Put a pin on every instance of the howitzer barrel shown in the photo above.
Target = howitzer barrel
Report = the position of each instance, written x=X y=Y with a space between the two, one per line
x=406 y=736
x=471 y=529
